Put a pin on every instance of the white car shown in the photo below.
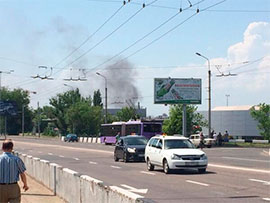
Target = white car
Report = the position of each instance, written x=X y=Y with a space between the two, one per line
x=208 y=142
x=174 y=152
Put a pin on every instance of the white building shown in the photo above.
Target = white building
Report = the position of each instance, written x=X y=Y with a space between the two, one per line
x=235 y=119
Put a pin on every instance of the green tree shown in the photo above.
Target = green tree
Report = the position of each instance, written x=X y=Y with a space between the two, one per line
x=84 y=118
x=127 y=113
x=14 y=123
x=173 y=125
x=97 y=101
x=262 y=115
x=61 y=103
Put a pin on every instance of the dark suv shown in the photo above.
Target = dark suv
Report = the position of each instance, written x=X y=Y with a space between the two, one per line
x=130 y=147
x=71 y=138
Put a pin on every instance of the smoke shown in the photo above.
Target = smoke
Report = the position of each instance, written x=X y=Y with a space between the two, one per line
x=122 y=90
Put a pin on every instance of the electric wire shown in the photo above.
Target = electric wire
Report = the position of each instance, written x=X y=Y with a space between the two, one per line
x=90 y=36
x=143 y=37
x=107 y=36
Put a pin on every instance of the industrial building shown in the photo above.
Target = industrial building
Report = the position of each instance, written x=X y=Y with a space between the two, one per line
x=235 y=119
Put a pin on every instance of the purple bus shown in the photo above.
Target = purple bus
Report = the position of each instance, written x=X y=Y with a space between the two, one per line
x=147 y=128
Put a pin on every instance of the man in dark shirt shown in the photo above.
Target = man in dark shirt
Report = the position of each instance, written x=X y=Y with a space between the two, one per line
x=10 y=168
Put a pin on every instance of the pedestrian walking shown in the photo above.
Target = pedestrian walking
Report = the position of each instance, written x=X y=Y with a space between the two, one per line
x=219 y=139
x=201 y=140
x=11 y=167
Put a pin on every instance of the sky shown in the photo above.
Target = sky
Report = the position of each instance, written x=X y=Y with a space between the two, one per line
x=131 y=44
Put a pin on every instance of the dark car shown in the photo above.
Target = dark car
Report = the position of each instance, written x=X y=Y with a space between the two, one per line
x=130 y=147
x=71 y=138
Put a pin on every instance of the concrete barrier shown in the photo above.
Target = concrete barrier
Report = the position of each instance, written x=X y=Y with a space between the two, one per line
x=73 y=187
x=260 y=141
x=237 y=141
x=81 y=139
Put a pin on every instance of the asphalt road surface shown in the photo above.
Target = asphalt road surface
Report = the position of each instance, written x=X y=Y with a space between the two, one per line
x=233 y=174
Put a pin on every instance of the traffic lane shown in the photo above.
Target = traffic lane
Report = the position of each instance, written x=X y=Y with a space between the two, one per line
x=257 y=158
x=162 y=188
x=124 y=178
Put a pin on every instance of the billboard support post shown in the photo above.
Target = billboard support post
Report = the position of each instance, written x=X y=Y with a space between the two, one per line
x=184 y=120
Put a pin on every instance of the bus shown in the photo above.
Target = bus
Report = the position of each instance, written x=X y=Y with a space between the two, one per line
x=147 y=128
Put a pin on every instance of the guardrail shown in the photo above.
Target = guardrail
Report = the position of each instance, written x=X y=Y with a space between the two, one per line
x=74 y=187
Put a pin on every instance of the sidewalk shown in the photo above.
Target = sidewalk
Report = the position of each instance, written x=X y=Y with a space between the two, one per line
x=38 y=193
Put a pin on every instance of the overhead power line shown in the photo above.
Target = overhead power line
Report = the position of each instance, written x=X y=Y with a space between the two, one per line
x=90 y=36
x=145 y=36
x=110 y=34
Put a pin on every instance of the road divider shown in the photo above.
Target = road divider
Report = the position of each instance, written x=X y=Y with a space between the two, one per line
x=74 y=187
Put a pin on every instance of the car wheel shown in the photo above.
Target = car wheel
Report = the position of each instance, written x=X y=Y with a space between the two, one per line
x=115 y=157
x=209 y=146
x=166 y=167
x=150 y=167
x=202 y=170
x=125 y=158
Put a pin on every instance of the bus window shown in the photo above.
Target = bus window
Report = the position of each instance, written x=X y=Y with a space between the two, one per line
x=133 y=128
x=153 y=128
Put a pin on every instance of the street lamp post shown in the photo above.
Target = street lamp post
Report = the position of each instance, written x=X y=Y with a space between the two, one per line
x=73 y=129
x=106 y=107
x=209 y=93
x=33 y=92
x=227 y=99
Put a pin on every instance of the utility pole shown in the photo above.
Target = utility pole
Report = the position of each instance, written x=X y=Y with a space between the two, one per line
x=73 y=128
x=38 y=120
x=23 y=120
x=209 y=93
x=227 y=99
x=106 y=107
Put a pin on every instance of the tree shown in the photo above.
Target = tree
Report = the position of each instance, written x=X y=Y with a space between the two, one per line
x=127 y=113
x=14 y=123
x=97 y=101
x=61 y=103
x=262 y=115
x=173 y=125
x=84 y=118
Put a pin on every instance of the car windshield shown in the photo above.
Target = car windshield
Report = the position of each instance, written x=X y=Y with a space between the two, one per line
x=135 y=141
x=178 y=144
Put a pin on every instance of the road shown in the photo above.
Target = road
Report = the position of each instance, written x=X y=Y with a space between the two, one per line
x=233 y=174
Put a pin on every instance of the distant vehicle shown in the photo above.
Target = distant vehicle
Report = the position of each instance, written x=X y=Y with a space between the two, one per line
x=130 y=147
x=146 y=128
x=174 y=152
x=208 y=142
x=71 y=138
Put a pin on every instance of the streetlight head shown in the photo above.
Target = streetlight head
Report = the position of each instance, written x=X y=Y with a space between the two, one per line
x=97 y=73
x=198 y=54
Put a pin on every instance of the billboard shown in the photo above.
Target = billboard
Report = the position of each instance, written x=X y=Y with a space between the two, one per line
x=8 y=108
x=177 y=91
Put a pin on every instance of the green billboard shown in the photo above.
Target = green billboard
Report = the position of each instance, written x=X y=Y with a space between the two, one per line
x=177 y=91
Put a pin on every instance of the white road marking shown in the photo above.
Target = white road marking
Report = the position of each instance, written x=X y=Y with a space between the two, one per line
x=116 y=167
x=148 y=173
x=260 y=181
x=133 y=189
x=61 y=156
x=67 y=147
x=245 y=159
x=91 y=162
x=266 y=199
x=77 y=159
x=50 y=153
x=267 y=152
x=198 y=183
x=239 y=168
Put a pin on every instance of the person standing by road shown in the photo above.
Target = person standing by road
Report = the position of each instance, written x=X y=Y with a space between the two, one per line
x=11 y=167
x=219 y=139
x=201 y=140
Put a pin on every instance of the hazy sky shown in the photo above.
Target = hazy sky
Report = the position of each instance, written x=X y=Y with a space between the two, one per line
x=131 y=45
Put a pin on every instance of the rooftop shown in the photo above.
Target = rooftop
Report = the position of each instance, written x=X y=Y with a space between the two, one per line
x=234 y=108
